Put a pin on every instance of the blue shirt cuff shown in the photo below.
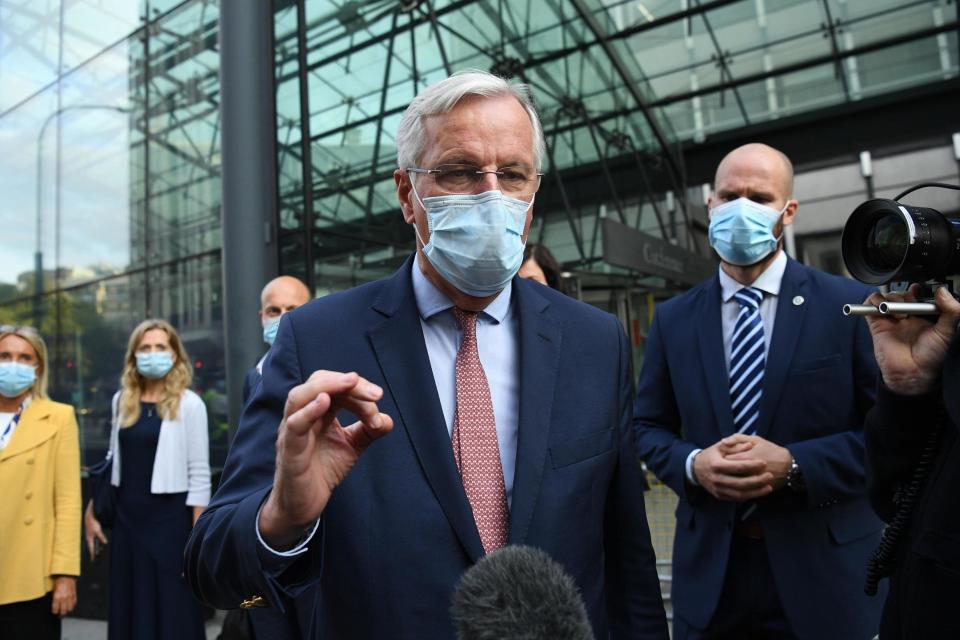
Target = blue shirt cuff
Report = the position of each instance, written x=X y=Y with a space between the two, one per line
x=688 y=466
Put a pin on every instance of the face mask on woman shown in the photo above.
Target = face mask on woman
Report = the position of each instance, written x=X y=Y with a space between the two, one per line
x=154 y=365
x=15 y=378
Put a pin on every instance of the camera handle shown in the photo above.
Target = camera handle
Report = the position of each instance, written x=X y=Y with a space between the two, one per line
x=923 y=307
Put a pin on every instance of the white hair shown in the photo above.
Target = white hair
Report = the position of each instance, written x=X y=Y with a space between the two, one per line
x=442 y=97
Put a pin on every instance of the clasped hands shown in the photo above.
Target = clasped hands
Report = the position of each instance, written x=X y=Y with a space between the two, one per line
x=315 y=452
x=742 y=467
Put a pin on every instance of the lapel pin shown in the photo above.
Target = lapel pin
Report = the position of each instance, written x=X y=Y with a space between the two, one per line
x=797 y=301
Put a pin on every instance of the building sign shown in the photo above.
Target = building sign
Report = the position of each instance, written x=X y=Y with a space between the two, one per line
x=626 y=247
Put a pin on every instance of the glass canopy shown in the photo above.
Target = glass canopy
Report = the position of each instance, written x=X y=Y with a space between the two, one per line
x=620 y=86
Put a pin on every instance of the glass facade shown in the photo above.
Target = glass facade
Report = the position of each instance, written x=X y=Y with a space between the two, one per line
x=109 y=170
x=110 y=141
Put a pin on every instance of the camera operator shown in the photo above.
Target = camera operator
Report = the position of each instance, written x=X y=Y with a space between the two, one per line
x=914 y=426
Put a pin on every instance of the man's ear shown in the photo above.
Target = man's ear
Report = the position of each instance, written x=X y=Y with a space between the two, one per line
x=791 y=212
x=404 y=193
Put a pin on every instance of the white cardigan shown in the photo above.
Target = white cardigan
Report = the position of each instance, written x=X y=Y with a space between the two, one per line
x=182 y=461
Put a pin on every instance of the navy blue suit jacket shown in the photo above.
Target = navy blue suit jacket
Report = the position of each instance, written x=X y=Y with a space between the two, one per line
x=270 y=622
x=250 y=381
x=398 y=532
x=820 y=380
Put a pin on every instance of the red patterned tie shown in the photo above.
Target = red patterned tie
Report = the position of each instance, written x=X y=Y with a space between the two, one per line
x=475 y=447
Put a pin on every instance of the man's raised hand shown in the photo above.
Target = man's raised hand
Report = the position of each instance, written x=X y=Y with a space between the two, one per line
x=315 y=452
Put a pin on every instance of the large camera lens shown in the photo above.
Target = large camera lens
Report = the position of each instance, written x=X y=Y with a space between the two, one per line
x=885 y=241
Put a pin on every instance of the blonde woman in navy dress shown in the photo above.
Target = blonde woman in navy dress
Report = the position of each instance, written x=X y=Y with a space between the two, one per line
x=162 y=473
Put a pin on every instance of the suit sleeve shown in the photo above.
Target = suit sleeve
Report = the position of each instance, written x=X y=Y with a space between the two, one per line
x=656 y=418
x=223 y=560
x=833 y=465
x=66 y=499
x=633 y=587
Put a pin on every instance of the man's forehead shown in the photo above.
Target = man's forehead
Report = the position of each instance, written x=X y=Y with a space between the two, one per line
x=477 y=122
x=757 y=172
x=283 y=292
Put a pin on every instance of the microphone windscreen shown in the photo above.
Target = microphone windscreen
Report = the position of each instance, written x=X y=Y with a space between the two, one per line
x=519 y=593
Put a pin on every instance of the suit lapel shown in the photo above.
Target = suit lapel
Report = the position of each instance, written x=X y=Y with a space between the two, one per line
x=538 y=364
x=402 y=354
x=712 y=357
x=786 y=332
x=34 y=428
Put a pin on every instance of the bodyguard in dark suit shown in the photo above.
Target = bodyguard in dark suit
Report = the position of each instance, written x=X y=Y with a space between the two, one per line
x=750 y=407
x=918 y=409
x=483 y=410
x=281 y=295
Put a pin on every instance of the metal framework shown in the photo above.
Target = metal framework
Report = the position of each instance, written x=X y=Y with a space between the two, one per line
x=599 y=109
x=610 y=117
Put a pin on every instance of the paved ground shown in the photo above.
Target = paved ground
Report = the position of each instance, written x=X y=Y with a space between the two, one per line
x=79 y=629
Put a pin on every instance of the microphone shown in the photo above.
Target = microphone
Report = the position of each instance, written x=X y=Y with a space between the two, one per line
x=519 y=593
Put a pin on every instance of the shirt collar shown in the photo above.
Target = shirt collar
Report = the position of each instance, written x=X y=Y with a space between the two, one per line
x=431 y=301
x=769 y=281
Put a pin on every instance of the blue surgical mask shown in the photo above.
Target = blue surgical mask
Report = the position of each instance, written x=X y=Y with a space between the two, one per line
x=741 y=231
x=154 y=365
x=15 y=378
x=270 y=328
x=476 y=241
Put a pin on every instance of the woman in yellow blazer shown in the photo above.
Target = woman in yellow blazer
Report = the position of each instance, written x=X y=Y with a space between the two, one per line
x=40 y=480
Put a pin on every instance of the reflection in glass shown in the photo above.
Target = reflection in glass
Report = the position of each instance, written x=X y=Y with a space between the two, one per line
x=90 y=26
x=28 y=161
x=184 y=144
x=78 y=148
x=29 y=48
x=95 y=168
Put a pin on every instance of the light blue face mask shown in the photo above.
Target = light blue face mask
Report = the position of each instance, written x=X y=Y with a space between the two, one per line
x=15 y=378
x=476 y=240
x=154 y=365
x=741 y=231
x=270 y=328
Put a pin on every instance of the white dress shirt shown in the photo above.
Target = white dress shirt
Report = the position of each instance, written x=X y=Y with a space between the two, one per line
x=769 y=282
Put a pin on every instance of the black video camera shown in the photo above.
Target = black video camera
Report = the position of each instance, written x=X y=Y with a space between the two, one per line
x=885 y=241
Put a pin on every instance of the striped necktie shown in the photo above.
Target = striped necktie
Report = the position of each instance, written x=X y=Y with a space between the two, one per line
x=747 y=360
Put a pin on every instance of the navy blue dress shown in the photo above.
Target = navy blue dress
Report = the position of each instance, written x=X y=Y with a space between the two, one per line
x=149 y=600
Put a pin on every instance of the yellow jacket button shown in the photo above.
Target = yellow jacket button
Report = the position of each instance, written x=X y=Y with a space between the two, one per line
x=29 y=460
x=28 y=521
x=29 y=495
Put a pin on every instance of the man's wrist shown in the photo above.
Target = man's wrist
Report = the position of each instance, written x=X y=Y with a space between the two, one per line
x=276 y=530
x=795 y=481
x=689 y=469
x=911 y=385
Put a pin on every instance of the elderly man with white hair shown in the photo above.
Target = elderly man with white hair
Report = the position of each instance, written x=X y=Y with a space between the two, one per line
x=425 y=420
